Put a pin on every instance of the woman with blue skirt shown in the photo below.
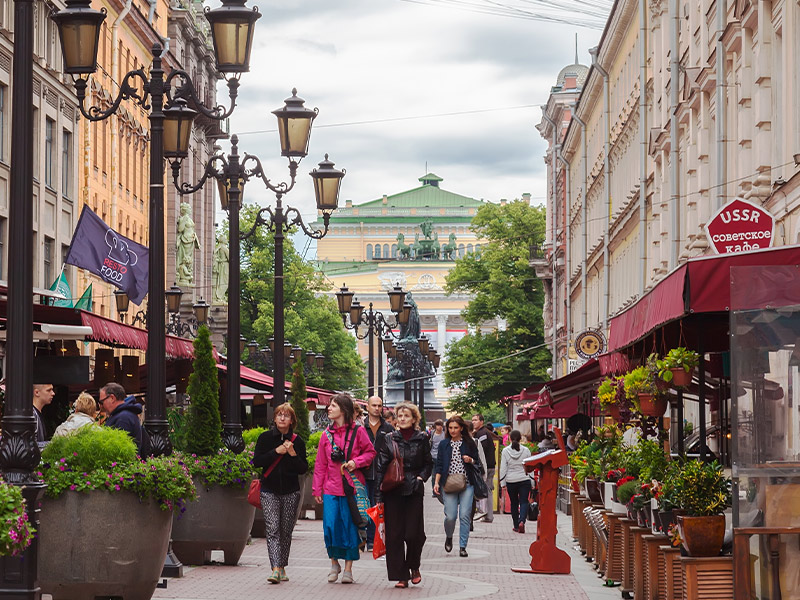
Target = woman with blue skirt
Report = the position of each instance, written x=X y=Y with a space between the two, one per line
x=344 y=449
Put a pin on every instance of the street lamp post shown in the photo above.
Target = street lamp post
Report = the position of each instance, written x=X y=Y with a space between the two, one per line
x=354 y=316
x=266 y=358
x=231 y=174
x=175 y=326
x=232 y=27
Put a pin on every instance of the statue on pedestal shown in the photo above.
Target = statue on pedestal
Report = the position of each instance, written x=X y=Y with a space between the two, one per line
x=220 y=271
x=185 y=246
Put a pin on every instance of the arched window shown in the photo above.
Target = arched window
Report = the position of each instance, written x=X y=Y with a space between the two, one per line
x=477 y=248
x=386 y=251
x=369 y=251
x=469 y=248
x=377 y=250
x=461 y=250
x=394 y=250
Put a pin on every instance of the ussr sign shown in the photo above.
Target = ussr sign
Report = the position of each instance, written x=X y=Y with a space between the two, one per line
x=740 y=226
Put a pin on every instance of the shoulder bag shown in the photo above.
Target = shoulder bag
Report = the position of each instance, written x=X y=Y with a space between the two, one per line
x=254 y=493
x=395 y=473
x=354 y=490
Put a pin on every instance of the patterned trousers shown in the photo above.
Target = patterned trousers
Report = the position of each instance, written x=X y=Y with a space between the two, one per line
x=279 y=516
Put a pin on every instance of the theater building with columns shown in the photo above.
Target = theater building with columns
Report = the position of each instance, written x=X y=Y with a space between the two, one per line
x=370 y=248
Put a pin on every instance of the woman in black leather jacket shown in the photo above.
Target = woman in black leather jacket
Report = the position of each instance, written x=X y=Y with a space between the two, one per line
x=402 y=506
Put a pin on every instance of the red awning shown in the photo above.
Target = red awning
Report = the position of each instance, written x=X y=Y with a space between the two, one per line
x=560 y=389
x=263 y=381
x=562 y=410
x=701 y=285
x=113 y=333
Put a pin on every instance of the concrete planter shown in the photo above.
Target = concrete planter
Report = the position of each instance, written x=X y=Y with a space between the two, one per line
x=119 y=555
x=220 y=519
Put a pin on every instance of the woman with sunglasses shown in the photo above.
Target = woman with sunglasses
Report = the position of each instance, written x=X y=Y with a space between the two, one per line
x=281 y=456
x=343 y=450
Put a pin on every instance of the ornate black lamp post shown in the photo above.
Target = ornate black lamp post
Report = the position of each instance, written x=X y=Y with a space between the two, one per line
x=353 y=316
x=416 y=366
x=231 y=174
x=266 y=358
x=232 y=27
x=175 y=326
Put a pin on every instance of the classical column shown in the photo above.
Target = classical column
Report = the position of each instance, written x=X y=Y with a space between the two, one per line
x=441 y=342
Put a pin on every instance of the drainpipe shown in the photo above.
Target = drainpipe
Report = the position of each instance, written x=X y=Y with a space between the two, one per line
x=584 y=217
x=673 y=133
x=567 y=234
x=721 y=118
x=554 y=220
x=643 y=145
x=115 y=119
x=607 y=171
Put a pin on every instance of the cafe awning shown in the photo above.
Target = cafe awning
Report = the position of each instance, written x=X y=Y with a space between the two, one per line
x=262 y=381
x=699 y=286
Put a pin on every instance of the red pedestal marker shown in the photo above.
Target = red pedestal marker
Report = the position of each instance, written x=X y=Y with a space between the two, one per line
x=546 y=557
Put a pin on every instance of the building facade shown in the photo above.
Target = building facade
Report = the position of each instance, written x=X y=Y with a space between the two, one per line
x=684 y=109
x=56 y=187
x=364 y=250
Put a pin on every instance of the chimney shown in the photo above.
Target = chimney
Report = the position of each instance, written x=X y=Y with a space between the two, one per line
x=348 y=204
x=526 y=198
x=570 y=81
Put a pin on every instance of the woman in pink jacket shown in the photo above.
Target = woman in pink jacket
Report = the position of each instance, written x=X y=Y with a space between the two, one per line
x=335 y=458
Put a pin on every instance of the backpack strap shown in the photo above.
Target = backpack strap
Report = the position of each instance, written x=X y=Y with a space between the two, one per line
x=349 y=454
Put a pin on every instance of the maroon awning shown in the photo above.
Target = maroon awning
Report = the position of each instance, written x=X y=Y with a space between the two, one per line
x=562 y=410
x=701 y=285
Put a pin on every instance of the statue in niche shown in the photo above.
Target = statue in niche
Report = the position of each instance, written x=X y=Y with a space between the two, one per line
x=185 y=245
x=220 y=271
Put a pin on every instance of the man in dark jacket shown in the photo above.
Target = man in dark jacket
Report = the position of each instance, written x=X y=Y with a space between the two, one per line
x=121 y=414
x=377 y=428
x=486 y=439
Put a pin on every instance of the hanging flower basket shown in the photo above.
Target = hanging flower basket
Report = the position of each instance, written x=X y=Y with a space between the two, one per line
x=652 y=406
x=681 y=377
x=613 y=412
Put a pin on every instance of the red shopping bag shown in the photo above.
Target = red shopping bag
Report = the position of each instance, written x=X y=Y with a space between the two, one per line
x=379 y=543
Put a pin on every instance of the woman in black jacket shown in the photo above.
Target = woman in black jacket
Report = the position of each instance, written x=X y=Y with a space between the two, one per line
x=281 y=455
x=402 y=506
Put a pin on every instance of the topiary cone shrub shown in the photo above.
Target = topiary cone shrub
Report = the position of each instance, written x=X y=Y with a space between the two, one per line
x=204 y=424
x=299 y=396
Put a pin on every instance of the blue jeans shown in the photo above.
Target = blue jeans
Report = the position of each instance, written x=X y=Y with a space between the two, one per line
x=458 y=504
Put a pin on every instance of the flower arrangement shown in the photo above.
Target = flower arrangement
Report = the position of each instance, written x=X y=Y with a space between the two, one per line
x=702 y=489
x=225 y=468
x=95 y=458
x=16 y=532
x=627 y=490
x=611 y=392
x=639 y=381
x=674 y=535
x=615 y=475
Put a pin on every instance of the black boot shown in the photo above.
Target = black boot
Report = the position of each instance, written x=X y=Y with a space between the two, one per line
x=463 y=553
x=448 y=544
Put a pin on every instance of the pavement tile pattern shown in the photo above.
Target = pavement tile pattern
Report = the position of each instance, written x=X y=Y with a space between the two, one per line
x=493 y=549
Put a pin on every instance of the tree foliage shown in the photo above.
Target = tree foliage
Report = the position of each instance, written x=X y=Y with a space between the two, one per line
x=203 y=422
x=501 y=285
x=311 y=320
x=299 y=396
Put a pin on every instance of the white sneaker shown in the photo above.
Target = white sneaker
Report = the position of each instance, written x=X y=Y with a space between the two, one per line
x=334 y=574
x=347 y=577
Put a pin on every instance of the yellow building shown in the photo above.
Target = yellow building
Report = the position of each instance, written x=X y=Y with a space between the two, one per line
x=364 y=250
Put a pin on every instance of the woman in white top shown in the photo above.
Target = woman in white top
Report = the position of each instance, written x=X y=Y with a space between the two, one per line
x=515 y=480
x=85 y=413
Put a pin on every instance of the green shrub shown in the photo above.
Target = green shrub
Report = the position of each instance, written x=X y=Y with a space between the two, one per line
x=299 y=396
x=105 y=459
x=92 y=448
x=224 y=468
x=177 y=428
x=250 y=436
x=311 y=449
x=203 y=423
x=627 y=490
x=702 y=489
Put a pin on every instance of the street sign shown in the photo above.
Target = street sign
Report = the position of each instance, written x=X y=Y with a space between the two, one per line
x=740 y=226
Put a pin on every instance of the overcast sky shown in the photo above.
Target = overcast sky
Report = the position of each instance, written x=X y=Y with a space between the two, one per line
x=390 y=78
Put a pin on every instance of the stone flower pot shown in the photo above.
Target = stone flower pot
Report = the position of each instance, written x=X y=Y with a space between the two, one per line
x=702 y=536
x=99 y=544
x=220 y=519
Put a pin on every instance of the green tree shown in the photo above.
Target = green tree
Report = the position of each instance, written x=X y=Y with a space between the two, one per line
x=203 y=422
x=299 y=396
x=311 y=319
x=502 y=285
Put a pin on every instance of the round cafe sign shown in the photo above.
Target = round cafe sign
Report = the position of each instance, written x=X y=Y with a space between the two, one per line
x=740 y=226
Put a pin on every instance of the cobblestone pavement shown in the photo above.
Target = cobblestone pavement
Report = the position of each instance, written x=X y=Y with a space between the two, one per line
x=493 y=549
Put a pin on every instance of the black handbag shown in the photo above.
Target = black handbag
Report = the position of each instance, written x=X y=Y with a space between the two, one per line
x=480 y=489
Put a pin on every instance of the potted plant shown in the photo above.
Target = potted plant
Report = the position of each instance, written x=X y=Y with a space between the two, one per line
x=95 y=471
x=677 y=366
x=610 y=398
x=222 y=518
x=641 y=390
x=16 y=533
x=704 y=492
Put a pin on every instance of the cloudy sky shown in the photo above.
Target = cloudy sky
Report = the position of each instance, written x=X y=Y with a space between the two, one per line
x=405 y=86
